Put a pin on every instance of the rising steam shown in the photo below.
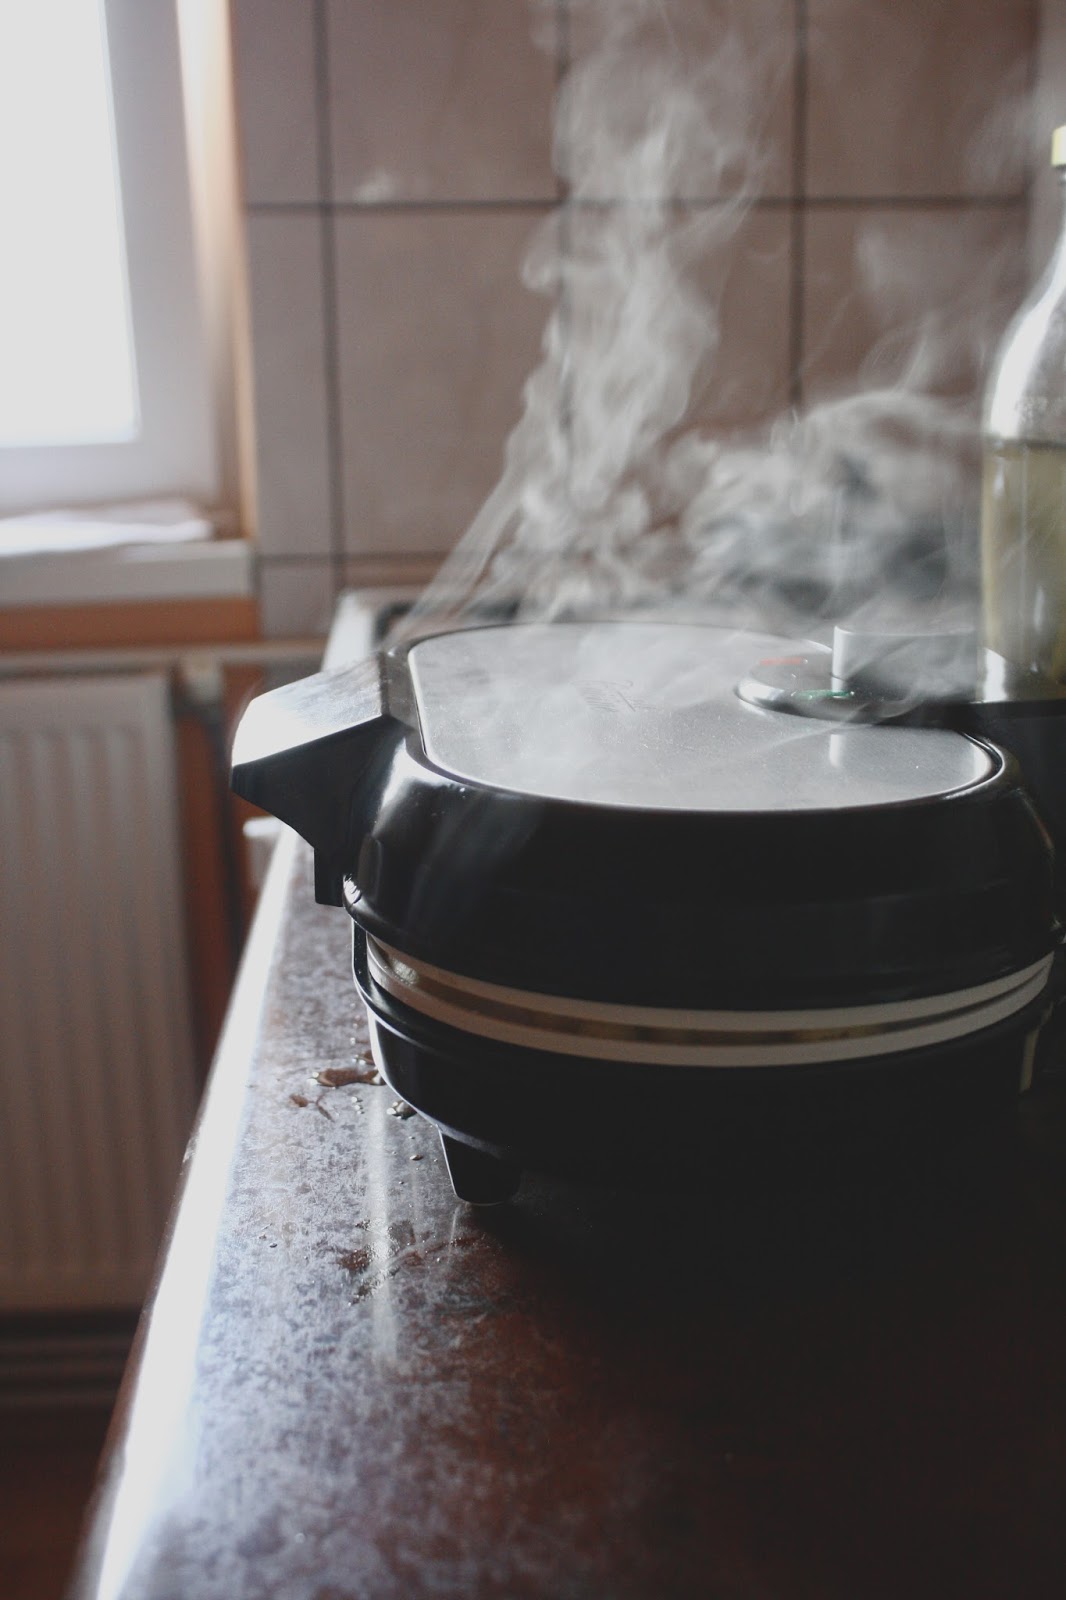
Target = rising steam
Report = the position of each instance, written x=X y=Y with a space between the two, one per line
x=611 y=498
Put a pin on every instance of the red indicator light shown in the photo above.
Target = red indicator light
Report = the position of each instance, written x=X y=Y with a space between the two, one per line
x=784 y=661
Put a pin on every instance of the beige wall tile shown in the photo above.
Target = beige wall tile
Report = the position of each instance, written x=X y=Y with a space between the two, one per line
x=273 y=44
x=1049 y=112
x=705 y=329
x=439 y=99
x=747 y=382
x=295 y=598
x=918 y=97
x=405 y=576
x=736 y=133
x=921 y=292
x=285 y=283
x=437 y=334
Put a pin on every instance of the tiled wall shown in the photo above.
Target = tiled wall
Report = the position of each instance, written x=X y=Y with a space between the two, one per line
x=397 y=159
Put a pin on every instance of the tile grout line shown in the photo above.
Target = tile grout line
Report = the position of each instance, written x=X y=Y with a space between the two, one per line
x=564 y=237
x=289 y=557
x=415 y=204
x=562 y=67
x=328 y=247
x=810 y=202
x=905 y=202
x=1032 y=83
x=797 y=283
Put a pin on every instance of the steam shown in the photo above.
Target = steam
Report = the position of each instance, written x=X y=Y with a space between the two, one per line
x=612 y=497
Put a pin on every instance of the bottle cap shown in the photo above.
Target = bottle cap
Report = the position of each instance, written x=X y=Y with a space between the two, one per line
x=1058 y=147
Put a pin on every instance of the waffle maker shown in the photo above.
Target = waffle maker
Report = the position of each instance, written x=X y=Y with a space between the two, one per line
x=663 y=900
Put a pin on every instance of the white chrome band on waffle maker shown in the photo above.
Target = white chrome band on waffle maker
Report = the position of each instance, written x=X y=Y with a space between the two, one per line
x=697 y=1038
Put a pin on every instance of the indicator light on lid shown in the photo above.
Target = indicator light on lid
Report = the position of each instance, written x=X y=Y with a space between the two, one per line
x=825 y=694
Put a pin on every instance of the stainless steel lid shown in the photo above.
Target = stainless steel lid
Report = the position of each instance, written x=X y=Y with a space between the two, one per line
x=647 y=715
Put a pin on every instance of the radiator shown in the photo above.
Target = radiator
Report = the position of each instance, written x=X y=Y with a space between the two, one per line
x=96 y=1059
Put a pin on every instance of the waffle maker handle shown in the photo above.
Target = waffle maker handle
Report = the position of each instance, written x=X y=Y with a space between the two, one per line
x=300 y=752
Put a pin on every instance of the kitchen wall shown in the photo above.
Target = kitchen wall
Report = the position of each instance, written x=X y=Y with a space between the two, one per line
x=397 y=159
x=1049 y=111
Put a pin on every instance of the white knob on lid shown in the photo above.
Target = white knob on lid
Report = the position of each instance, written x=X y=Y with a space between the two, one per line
x=905 y=664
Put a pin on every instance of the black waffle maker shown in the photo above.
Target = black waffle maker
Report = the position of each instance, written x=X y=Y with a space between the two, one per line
x=658 y=899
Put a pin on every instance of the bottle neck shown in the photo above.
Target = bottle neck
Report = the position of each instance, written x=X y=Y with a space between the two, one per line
x=1055 y=274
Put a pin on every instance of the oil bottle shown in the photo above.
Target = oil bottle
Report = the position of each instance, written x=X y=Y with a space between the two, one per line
x=1023 y=507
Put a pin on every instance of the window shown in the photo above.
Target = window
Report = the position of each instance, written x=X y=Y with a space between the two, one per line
x=105 y=389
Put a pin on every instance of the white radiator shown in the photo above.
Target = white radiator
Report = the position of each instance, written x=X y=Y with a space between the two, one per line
x=96 y=1061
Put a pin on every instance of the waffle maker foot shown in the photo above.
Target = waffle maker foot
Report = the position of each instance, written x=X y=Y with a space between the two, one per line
x=477 y=1177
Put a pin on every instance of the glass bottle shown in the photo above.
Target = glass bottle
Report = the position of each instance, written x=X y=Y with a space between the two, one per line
x=1023 y=506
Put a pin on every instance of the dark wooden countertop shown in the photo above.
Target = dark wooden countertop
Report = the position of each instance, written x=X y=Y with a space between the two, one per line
x=350 y=1385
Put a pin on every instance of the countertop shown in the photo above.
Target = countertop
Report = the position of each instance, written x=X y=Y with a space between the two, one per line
x=348 y=1384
